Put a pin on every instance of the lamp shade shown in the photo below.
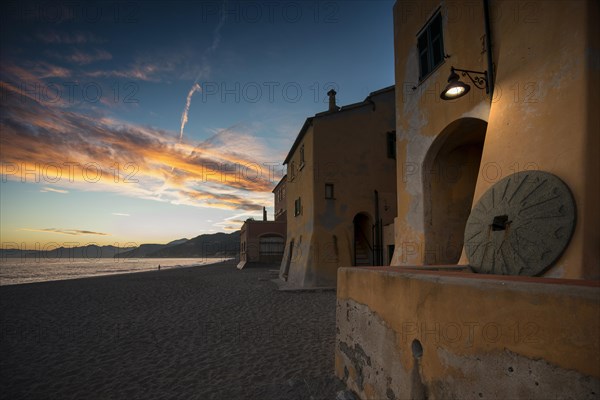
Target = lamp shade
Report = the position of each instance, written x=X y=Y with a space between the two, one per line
x=455 y=88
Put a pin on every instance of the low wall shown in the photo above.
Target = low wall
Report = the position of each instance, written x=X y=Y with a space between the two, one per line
x=441 y=335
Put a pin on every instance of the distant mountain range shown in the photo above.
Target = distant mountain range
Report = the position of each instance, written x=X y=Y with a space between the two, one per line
x=145 y=250
x=208 y=245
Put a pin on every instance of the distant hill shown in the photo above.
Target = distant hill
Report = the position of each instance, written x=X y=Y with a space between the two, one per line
x=90 y=251
x=209 y=245
x=145 y=249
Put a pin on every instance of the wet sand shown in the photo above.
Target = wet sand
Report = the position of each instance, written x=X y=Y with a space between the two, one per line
x=209 y=332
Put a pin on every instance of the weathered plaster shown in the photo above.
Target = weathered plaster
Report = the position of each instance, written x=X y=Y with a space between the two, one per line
x=543 y=115
x=326 y=225
x=492 y=335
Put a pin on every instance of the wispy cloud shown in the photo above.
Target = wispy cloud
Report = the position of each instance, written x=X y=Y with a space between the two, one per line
x=54 y=37
x=83 y=58
x=155 y=67
x=235 y=222
x=53 y=190
x=121 y=214
x=230 y=170
x=71 y=232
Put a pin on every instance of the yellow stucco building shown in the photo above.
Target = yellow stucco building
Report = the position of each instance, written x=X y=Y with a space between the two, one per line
x=341 y=191
x=429 y=327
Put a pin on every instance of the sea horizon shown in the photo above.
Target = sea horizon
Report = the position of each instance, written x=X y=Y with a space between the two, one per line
x=16 y=271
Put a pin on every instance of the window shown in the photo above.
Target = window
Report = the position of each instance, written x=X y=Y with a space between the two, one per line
x=292 y=171
x=297 y=206
x=329 y=190
x=301 y=157
x=430 y=45
x=391 y=144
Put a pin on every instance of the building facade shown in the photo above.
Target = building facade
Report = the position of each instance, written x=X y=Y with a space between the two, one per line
x=262 y=242
x=341 y=192
x=280 y=208
x=424 y=330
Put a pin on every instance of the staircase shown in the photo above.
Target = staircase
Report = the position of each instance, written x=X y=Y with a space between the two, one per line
x=362 y=254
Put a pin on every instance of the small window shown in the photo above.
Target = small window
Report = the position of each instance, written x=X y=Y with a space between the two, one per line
x=297 y=206
x=329 y=190
x=430 y=45
x=391 y=144
x=292 y=171
x=301 y=156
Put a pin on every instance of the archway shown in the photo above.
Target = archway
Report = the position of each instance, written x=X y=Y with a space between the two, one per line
x=450 y=171
x=363 y=240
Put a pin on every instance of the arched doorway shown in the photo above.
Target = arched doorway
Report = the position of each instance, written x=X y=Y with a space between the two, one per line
x=363 y=240
x=271 y=248
x=450 y=173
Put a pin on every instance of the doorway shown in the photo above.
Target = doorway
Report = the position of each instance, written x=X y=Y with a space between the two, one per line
x=450 y=173
x=363 y=240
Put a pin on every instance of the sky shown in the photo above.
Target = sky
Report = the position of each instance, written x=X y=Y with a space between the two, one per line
x=146 y=122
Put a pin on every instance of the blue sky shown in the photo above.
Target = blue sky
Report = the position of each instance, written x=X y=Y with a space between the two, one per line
x=94 y=95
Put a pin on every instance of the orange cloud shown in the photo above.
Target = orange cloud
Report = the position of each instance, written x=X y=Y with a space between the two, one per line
x=48 y=144
x=71 y=232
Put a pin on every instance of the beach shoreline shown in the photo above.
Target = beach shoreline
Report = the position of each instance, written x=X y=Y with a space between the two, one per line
x=202 y=332
x=26 y=271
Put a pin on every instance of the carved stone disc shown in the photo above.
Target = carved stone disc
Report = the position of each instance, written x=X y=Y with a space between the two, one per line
x=521 y=225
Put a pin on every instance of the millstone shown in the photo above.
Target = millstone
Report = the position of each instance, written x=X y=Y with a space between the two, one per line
x=521 y=225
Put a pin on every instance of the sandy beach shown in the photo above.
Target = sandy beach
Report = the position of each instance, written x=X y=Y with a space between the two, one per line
x=209 y=332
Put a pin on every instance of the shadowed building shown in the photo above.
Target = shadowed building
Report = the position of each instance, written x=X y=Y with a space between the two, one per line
x=341 y=191
x=495 y=290
x=262 y=242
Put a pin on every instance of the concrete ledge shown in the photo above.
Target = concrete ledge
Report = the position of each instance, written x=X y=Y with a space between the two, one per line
x=407 y=333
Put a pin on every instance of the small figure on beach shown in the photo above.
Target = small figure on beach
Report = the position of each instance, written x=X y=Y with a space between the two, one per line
x=159 y=267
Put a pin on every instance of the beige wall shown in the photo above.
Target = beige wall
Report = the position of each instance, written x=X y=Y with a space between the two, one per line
x=481 y=337
x=549 y=125
x=280 y=203
x=421 y=117
x=300 y=184
x=346 y=148
x=542 y=116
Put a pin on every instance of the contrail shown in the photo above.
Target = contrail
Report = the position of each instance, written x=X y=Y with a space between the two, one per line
x=196 y=87
x=186 y=110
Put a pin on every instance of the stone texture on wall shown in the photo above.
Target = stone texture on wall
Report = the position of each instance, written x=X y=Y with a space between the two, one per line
x=439 y=335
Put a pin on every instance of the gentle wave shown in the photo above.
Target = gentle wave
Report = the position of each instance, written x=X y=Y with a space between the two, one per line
x=14 y=271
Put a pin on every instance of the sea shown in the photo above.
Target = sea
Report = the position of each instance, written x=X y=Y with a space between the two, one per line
x=15 y=271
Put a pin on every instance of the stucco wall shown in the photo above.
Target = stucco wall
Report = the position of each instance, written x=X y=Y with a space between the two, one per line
x=299 y=228
x=480 y=336
x=421 y=116
x=348 y=149
x=542 y=115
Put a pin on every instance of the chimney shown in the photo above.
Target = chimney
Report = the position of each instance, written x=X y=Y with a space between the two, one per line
x=264 y=213
x=332 y=105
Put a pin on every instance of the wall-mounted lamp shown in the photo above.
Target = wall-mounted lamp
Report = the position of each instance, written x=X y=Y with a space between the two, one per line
x=456 y=88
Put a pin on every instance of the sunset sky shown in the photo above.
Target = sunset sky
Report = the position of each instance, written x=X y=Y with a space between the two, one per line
x=146 y=122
